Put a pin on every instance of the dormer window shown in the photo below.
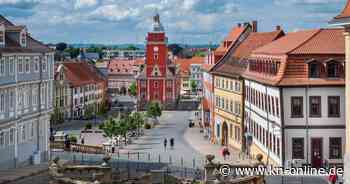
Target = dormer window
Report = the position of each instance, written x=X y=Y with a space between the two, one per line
x=2 y=36
x=314 y=70
x=23 y=38
x=333 y=69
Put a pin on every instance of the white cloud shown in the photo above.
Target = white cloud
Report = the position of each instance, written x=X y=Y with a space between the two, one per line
x=114 y=12
x=189 y=4
x=17 y=1
x=85 y=3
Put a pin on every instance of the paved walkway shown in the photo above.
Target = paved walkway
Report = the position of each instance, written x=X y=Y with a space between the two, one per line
x=202 y=145
x=14 y=175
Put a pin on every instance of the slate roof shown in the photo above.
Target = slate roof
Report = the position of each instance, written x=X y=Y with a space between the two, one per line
x=33 y=45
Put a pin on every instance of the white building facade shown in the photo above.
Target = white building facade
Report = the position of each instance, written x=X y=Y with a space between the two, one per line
x=26 y=83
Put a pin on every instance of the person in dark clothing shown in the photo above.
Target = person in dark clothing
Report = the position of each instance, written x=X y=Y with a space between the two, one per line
x=82 y=141
x=172 y=143
x=165 y=143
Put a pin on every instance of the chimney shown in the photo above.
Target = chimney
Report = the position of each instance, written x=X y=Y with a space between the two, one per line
x=255 y=26
x=239 y=24
x=278 y=27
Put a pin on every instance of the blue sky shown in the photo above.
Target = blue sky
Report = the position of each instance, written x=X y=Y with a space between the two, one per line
x=186 y=21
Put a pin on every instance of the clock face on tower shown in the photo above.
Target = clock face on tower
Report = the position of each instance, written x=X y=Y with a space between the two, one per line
x=155 y=49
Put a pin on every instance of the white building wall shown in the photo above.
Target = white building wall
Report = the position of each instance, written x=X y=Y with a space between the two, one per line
x=324 y=92
x=269 y=121
x=319 y=132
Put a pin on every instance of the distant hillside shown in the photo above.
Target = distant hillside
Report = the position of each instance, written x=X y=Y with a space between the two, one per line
x=140 y=46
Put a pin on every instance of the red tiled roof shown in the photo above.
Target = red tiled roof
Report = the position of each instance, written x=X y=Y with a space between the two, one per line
x=254 y=41
x=184 y=64
x=231 y=67
x=81 y=73
x=317 y=41
x=345 y=13
x=320 y=45
x=287 y=43
x=327 y=41
x=234 y=34
x=118 y=66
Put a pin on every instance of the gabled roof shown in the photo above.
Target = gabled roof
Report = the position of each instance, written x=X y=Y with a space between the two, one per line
x=81 y=73
x=256 y=40
x=232 y=66
x=12 y=46
x=234 y=34
x=316 y=41
x=345 y=13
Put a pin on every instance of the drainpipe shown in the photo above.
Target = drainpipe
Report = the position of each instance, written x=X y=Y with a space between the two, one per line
x=268 y=127
x=16 y=115
x=307 y=122
x=243 y=131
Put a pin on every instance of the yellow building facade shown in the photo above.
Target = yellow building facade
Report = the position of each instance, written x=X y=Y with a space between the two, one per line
x=229 y=101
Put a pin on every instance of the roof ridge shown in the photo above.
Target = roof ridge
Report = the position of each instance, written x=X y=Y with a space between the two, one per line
x=229 y=50
x=305 y=41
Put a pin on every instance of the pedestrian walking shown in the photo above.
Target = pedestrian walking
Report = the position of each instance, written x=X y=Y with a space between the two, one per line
x=225 y=152
x=165 y=143
x=82 y=140
x=172 y=143
x=332 y=178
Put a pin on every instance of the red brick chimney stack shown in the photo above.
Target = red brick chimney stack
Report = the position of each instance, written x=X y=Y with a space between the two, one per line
x=278 y=27
x=255 y=26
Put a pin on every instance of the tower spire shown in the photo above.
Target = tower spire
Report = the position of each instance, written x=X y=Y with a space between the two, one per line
x=157 y=25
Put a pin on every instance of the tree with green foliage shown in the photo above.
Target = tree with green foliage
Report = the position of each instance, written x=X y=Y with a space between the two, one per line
x=61 y=46
x=132 y=47
x=154 y=110
x=193 y=85
x=74 y=52
x=109 y=127
x=133 y=89
x=89 y=111
x=138 y=120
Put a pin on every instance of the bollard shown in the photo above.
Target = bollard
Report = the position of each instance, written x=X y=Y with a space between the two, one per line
x=138 y=155
x=149 y=157
x=159 y=158
x=128 y=155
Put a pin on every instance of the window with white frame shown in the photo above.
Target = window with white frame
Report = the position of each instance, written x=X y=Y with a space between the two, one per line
x=12 y=99
x=44 y=63
x=20 y=64
x=12 y=135
x=42 y=95
x=2 y=102
x=36 y=64
x=11 y=65
x=23 y=132
x=31 y=129
x=27 y=64
x=35 y=96
x=2 y=66
x=2 y=139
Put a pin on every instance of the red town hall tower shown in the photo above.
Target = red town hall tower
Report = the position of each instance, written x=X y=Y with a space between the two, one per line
x=158 y=81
